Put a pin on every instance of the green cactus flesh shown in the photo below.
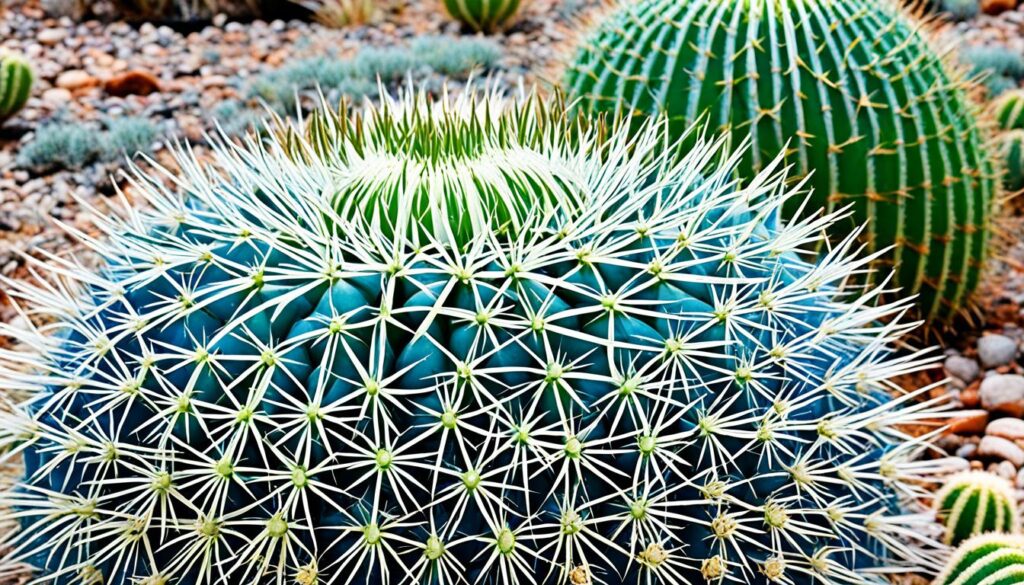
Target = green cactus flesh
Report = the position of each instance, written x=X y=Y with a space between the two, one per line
x=989 y=559
x=16 y=79
x=1011 y=146
x=853 y=93
x=483 y=15
x=1010 y=110
x=476 y=339
x=974 y=503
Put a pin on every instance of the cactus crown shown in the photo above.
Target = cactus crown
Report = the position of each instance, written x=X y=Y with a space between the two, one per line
x=976 y=502
x=642 y=379
x=16 y=79
x=833 y=84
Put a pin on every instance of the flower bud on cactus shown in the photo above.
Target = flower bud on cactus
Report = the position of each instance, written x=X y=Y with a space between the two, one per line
x=453 y=341
x=1010 y=110
x=852 y=93
x=483 y=15
x=976 y=502
x=16 y=79
x=989 y=559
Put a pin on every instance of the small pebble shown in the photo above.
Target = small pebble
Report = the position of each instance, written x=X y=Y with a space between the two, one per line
x=1000 y=448
x=962 y=368
x=996 y=350
x=1003 y=393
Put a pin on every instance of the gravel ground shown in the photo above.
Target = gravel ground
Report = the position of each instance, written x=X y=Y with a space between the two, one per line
x=196 y=72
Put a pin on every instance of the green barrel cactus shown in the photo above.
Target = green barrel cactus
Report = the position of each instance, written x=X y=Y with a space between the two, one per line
x=1010 y=110
x=483 y=15
x=477 y=340
x=974 y=503
x=1011 y=145
x=988 y=559
x=866 y=112
x=16 y=79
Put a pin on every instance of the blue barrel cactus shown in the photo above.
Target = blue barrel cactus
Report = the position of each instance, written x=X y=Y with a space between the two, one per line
x=477 y=339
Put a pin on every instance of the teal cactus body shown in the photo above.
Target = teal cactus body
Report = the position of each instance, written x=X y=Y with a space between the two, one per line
x=470 y=340
x=989 y=559
x=1010 y=110
x=16 y=79
x=483 y=15
x=974 y=503
x=1011 y=145
x=853 y=93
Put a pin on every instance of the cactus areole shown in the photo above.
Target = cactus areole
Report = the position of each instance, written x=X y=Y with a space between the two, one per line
x=852 y=93
x=470 y=339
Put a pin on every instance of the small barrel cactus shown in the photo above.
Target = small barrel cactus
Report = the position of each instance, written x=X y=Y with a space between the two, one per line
x=1010 y=110
x=483 y=15
x=470 y=340
x=1011 y=145
x=849 y=89
x=976 y=502
x=16 y=79
x=988 y=559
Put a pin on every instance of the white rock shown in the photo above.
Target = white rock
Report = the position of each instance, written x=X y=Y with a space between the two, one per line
x=1003 y=393
x=1007 y=428
x=51 y=36
x=1000 y=448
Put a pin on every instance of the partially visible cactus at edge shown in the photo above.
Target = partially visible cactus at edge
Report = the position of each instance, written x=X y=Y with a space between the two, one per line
x=1011 y=146
x=483 y=15
x=16 y=80
x=1010 y=110
x=853 y=91
x=976 y=502
x=988 y=559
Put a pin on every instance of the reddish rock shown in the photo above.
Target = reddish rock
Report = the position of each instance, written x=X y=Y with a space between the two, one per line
x=997 y=6
x=134 y=82
x=968 y=422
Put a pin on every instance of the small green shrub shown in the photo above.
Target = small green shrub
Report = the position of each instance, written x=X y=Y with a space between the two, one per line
x=996 y=60
x=960 y=9
x=357 y=78
x=127 y=137
x=70 y=146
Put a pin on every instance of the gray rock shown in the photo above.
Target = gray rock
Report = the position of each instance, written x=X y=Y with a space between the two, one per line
x=1003 y=393
x=996 y=350
x=962 y=368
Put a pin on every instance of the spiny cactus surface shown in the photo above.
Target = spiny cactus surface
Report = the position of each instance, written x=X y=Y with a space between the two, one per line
x=452 y=342
x=16 y=79
x=483 y=15
x=853 y=93
x=974 y=503
x=989 y=559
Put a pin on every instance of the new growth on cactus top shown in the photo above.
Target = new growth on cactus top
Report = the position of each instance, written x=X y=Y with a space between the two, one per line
x=477 y=340
x=851 y=92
